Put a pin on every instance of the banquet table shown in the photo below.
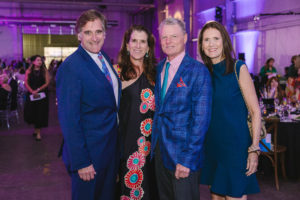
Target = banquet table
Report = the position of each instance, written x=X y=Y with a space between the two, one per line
x=289 y=136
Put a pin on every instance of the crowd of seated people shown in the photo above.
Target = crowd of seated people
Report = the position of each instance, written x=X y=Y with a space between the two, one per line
x=16 y=70
x=270 y=87
x=12 y=82
x=15 y=73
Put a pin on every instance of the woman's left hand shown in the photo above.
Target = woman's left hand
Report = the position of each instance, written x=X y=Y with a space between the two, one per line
x=252 y=163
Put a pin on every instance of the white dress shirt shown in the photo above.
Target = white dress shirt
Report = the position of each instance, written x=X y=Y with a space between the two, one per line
x=111 y=72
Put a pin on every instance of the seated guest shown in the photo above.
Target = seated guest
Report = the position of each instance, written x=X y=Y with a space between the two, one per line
x=286 y=72
x=5 y=89
x=274 y=90
x=292 y=71
x=14 y=90
x=20 y=76
x=297 y=85
x=267 y=70
x=289 y=89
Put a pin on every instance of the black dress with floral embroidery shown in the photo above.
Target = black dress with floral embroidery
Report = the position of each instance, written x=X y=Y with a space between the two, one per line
x=136 y=173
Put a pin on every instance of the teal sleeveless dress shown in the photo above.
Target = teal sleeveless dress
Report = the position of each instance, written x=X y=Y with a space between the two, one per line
x=227 y=140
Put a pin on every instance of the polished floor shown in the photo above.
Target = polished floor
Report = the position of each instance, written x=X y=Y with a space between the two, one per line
x=31 y=170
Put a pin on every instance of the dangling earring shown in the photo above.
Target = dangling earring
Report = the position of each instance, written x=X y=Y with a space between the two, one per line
x=128 y=53
x=147 y=55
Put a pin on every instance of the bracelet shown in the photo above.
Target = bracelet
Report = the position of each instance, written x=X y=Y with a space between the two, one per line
x=257 y=152
x=255 y=149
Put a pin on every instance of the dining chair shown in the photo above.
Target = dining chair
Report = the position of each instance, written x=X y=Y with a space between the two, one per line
x=7 y=113
x=277 y=150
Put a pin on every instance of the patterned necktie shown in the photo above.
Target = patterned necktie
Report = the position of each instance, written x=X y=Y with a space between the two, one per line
x=165 y=82
x=104 y=68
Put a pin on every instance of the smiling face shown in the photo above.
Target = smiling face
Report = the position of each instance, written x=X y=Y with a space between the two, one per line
x=138 y=45
x=92 y=36
x=212 y=45
x=172 y=39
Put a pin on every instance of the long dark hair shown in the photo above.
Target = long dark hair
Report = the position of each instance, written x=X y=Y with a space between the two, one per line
x=42 y=68
x=268 y=62
x=228 y=51
x=280 y=92
x=127 y=69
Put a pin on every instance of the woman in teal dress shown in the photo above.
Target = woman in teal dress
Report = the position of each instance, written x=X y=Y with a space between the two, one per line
x=231 y=155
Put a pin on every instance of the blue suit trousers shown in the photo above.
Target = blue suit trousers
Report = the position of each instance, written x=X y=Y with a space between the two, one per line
x=102 y=187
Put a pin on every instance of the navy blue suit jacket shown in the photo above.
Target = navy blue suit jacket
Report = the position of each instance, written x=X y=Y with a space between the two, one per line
x=87 y=112
x=181 y=120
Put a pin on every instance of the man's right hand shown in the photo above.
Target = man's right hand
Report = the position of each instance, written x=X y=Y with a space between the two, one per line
x=87 y=173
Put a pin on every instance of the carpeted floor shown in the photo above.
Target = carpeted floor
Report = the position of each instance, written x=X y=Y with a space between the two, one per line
x=31 y=170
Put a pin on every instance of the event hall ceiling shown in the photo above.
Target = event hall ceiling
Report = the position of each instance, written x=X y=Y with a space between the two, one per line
x=121 y=5
x=65 y=11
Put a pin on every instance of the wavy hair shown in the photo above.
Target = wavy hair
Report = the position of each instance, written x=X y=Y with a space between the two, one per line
x=268 y=63
x=88 y=16
x=127 y=68
x=228 y=51
x=43 y=67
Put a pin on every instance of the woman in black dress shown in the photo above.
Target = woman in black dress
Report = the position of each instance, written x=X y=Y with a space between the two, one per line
x=36 y=106
x=137 y=72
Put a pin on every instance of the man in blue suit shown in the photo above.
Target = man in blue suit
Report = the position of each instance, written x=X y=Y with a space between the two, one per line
x=88 y=93
x=183 y=108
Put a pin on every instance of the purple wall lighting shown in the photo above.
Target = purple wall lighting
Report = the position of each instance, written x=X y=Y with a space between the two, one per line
x=175 y=9
x=206 y=15
x=249 y=8
x=246 y=42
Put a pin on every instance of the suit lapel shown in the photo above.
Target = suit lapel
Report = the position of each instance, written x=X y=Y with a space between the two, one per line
x=91 y=65
x=117 y=76
x=95 y=70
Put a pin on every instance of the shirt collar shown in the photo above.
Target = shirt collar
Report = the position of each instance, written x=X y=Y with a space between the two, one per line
x=177 y=59
x=93 y=55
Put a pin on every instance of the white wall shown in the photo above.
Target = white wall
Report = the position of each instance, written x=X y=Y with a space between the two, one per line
x=282 y=44
x=11 y=43
x=279 y=36
x=11 y=37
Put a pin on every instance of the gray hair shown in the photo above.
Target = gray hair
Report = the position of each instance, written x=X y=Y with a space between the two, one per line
x=172 y=21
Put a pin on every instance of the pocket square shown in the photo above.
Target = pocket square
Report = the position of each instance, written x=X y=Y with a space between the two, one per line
x=181 y=83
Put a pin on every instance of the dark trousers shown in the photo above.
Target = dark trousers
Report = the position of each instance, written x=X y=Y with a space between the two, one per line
x=170 y=188
x=100 y=188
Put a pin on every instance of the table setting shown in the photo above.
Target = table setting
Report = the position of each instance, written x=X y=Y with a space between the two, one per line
x=288 y=134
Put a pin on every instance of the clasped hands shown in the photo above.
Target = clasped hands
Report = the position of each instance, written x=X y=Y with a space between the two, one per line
x=35 y=93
